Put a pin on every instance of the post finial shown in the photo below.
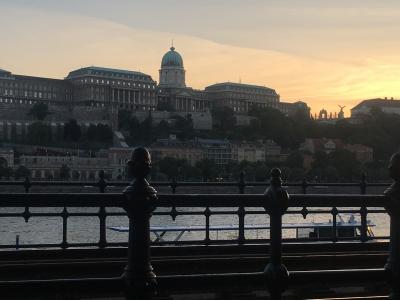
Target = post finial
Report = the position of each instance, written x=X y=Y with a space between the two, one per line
x=139 y=165
x=276 y=180
x=394 y=167
x=394 y=190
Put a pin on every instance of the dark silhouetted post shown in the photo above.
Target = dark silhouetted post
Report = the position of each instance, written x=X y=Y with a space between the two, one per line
x=241 y=183
x=27 y=184
x=363 y=184
x=241 y=210
x=102 y=183
x=277 y=203
x=393 y=208
x=140 y=280
x=174 y=184
x=304 y=185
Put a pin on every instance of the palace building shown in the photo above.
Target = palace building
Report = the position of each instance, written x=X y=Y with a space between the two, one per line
x=96 y=94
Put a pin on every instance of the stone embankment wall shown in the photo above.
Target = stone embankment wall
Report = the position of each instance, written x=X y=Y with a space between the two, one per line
x=15 y=118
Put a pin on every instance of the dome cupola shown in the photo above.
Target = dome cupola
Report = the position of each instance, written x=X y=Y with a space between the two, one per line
x=172 y=59
x=172 y=73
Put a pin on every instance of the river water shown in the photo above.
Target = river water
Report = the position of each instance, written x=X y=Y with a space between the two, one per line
x=40 y=230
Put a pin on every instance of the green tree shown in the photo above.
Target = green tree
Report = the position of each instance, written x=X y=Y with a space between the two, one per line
x=39 y=111
x=39 y=133
x=208 y=169
x=5 y=172
x=184 y=127
x=65 y=172
x=22 y=172
x=345 y=162
x=223 y=118
x=72 y=131
x=295 y=160
x=124 y=118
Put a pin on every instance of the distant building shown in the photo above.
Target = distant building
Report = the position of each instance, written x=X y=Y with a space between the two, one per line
x=219 y=151
x=28 y=90
x=171 y=147
x=248 y=151
x=6 y=158
x=242 y=98
x=45 y=167
x=96 y=94
x=173 y=95
x=362 y=153
x=129 y=90
x=390 y=106
x=325 y=145
x=273 y=152
x=290 y=109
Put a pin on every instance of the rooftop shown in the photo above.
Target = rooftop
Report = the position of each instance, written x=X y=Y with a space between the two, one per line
x=237 y=85
x=106 y=72
x=378 y=102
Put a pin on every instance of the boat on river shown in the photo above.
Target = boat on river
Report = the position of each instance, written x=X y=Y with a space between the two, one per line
x=312 y=231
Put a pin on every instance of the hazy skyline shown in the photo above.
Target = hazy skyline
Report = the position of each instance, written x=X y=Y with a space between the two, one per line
x=324 y=53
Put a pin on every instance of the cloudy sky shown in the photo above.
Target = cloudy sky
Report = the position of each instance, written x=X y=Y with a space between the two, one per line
x=323 y=52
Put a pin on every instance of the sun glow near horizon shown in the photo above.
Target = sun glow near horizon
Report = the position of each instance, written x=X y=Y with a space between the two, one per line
x=59 y=42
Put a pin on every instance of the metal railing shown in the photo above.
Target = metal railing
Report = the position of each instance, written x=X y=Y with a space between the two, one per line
x=204 y=206
x=138 y=280
x=102 y=184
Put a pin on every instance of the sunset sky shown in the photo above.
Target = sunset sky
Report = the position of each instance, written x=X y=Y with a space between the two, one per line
x=326 y=53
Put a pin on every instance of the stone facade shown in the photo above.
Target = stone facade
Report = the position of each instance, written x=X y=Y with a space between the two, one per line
x=241 y=98
x=45 y=167
x=95 y=94
x=363 y=109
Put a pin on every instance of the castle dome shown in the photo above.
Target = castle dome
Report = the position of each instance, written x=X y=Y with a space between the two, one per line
x=172 y=59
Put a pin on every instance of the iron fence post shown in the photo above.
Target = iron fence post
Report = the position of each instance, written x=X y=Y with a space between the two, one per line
x=102 y=184
x=140 y=280
x=27 y=184
x=304 y=185
x=241 y=210
x=363 y=183
x=241 y=183
x=393 y=207
x=277 y=203
x=174 y=185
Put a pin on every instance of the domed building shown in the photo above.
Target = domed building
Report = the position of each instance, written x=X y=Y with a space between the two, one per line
x=172 y=73
x=173 y=95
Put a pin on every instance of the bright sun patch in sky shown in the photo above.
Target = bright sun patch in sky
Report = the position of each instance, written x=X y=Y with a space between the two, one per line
x=324 y=54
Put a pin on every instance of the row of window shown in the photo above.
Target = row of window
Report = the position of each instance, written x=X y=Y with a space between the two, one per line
x=18 y=101
x=29 y=94
x=116 y=82
x=28 y=86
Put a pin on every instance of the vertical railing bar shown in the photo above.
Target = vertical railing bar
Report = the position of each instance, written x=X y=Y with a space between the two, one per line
x=393 y=208
x=64 y=243
x=241 y=215
x=207 y=214
x=277 y=203
x=334 y=224
x=364 y=223
x=27 y=186
x=304 y=186
x=102 y=184
x=241 y=210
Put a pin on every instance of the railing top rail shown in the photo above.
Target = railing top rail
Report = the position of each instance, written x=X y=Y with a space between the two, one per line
x=186 y=200
x=186 y=183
